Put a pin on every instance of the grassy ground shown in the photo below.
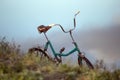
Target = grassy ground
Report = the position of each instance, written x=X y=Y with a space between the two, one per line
x=15 y=65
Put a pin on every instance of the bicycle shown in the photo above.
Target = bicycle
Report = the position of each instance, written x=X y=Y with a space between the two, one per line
x=57 y=56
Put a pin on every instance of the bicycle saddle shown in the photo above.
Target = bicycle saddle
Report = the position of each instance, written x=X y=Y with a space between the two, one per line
x=43 y=28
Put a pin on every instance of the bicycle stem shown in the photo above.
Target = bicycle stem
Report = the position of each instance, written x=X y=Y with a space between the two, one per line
x=71 y=36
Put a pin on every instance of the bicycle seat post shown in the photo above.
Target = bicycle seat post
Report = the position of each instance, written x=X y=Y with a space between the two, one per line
x=46 y=36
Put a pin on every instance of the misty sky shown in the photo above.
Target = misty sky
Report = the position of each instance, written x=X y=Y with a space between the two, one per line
x=97 y=32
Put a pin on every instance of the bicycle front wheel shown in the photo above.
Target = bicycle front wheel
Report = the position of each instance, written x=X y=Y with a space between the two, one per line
x=82 y=58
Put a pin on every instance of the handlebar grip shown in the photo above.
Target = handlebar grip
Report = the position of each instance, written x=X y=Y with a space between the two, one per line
x=77 y=13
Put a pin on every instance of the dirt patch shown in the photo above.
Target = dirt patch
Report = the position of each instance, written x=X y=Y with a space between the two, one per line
x=55 y=76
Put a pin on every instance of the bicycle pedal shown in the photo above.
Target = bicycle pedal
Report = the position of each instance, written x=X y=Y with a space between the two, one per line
x=62 y=49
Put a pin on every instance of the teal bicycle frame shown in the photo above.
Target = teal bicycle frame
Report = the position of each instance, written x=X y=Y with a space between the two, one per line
x=44 y=29
x=76 y=49
x=63 y=54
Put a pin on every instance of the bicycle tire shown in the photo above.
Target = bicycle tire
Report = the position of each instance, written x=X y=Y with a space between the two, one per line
x=40 y=52
x=87 y=61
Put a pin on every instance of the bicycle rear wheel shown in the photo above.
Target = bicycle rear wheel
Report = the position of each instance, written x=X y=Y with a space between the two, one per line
x=82 y=58
x=41 y=52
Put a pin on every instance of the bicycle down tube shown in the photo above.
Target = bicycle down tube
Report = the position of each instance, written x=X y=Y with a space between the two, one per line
x=63 y=54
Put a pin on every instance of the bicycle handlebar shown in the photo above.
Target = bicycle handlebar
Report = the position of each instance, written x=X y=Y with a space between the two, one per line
x=59 y=26
x=51 y=25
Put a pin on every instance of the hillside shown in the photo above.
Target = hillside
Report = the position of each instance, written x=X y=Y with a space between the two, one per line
x=15 y=65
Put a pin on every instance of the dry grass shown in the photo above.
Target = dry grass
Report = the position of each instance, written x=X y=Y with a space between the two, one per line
x=18 y=66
